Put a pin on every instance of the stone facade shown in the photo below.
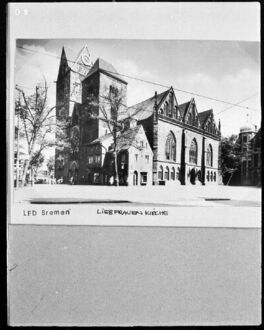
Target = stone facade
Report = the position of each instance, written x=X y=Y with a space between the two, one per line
x=250 y=141
x=161 y=142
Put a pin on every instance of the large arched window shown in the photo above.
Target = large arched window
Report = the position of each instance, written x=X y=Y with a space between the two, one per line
x=193 y=152
x=209 y=156
x=170 y=147
x=160 y=173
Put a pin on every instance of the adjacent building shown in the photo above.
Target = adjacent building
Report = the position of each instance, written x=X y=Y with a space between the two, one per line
x=158 y=141
x=250 y=141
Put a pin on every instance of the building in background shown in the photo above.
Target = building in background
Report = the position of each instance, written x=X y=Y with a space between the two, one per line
x=162 y=141
x=250 y=141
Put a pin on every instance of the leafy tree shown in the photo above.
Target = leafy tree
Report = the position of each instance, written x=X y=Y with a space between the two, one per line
x=230 y=157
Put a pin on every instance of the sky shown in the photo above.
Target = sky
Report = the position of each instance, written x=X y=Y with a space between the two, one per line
x=223 y=70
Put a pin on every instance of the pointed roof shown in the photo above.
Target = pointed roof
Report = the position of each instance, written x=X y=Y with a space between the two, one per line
x=204 y=115
x=124 y=139
x=145 y=108
x=183 y=108
x=64 y=65
x=127 y=137
x=104 y=66
x=102 y=138
x=70 y=54
x=76 y=57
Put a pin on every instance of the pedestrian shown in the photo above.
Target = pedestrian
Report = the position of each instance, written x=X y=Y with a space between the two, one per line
x=111 y=181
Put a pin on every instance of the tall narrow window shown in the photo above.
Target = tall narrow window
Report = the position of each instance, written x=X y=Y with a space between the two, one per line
x=167 y=173
x=170 y=147
x=160 y=173
x=171 y=106
x=193 y=152
x=192 y=117
x=209 y=156
x=173 y=173
x=166 y=109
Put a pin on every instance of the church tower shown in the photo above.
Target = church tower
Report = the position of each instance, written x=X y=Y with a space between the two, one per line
x=101 y=82
x=72 y=70
x=247 y=132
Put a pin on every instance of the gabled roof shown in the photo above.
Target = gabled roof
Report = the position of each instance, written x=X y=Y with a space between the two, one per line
x=127 y=137
x=124 y=139
x=102 y=138
x=204 y=115
x=106 y=67
x=145 y=108
x=76 y=56
x=183 y=108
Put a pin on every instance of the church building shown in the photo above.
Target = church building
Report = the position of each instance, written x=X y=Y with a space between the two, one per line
x=158 y=141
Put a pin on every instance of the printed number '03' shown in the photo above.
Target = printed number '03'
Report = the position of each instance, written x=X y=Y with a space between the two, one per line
x=21 y=11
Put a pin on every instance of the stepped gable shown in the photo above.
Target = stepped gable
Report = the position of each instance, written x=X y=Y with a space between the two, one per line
x=105 y=67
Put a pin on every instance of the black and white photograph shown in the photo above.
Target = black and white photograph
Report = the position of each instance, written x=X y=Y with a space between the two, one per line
x=122 y=135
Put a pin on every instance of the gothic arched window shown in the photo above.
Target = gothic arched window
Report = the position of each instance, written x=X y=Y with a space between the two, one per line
x=166 y=108
x=170 y=147
x=192 y=117
x=209 y=156
x=160 y=173
x=173 y=173
x=193 y=152
x=167 y=173
x=171 y=107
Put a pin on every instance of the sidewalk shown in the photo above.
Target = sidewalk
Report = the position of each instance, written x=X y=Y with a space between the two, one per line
x=205 y=195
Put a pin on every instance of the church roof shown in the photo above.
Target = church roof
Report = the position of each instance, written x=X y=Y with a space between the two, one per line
x=71 y=56
x=124 y=139
x=145 y=108
x=204 y=115
x=183 y=108
x=104 y=66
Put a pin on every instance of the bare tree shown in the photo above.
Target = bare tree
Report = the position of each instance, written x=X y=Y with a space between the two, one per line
x=37 y=123
x=51 y=164
x=111 y=109
x=36 y=162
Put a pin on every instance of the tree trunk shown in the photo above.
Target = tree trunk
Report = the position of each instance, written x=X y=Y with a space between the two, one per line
x=230 y=178
x=25 y=172
x=116 y=170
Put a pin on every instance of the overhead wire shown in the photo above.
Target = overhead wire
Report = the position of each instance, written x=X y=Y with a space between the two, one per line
x=148 y=81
